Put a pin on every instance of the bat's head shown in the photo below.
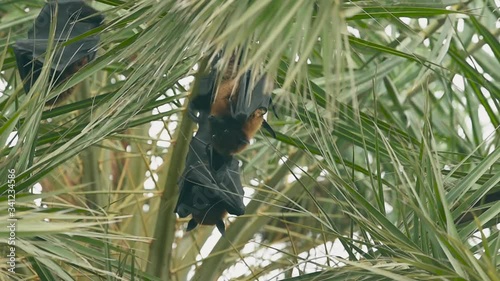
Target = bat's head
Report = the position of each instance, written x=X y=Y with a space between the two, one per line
x=227 y=135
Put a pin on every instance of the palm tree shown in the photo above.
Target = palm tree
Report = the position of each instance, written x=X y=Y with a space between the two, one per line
x=385 y=165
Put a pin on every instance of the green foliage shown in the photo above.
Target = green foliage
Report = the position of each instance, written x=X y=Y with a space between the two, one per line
x=386 y=164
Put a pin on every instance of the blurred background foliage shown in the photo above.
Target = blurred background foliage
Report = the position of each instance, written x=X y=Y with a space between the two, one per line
x=386 y=164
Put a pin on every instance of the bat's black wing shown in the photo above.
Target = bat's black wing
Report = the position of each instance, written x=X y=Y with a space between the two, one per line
x=74 y=18
x=203 y=186
x=200 y=190
x=229 y=182
x=251 y=97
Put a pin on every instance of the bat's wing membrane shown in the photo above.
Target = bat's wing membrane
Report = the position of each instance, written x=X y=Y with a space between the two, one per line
x=74 y=18
x=34 y=49
x=251 y=96
x=209 y=177
x=229 y=182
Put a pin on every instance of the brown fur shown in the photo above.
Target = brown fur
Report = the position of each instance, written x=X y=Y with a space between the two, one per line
x=226 y=92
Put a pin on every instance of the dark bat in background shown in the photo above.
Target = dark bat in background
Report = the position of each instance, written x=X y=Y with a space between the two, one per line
x=237 y=113
x=210 y=186
x=73 y=19
x=236 y=107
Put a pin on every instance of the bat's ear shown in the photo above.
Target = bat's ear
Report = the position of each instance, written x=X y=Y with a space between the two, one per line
x=192 y=224
x=268 y=128
x=221 y=227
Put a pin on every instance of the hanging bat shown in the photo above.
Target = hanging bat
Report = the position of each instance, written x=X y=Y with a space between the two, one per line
x=236 y=109
x=73 y=19
x=210 y=186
